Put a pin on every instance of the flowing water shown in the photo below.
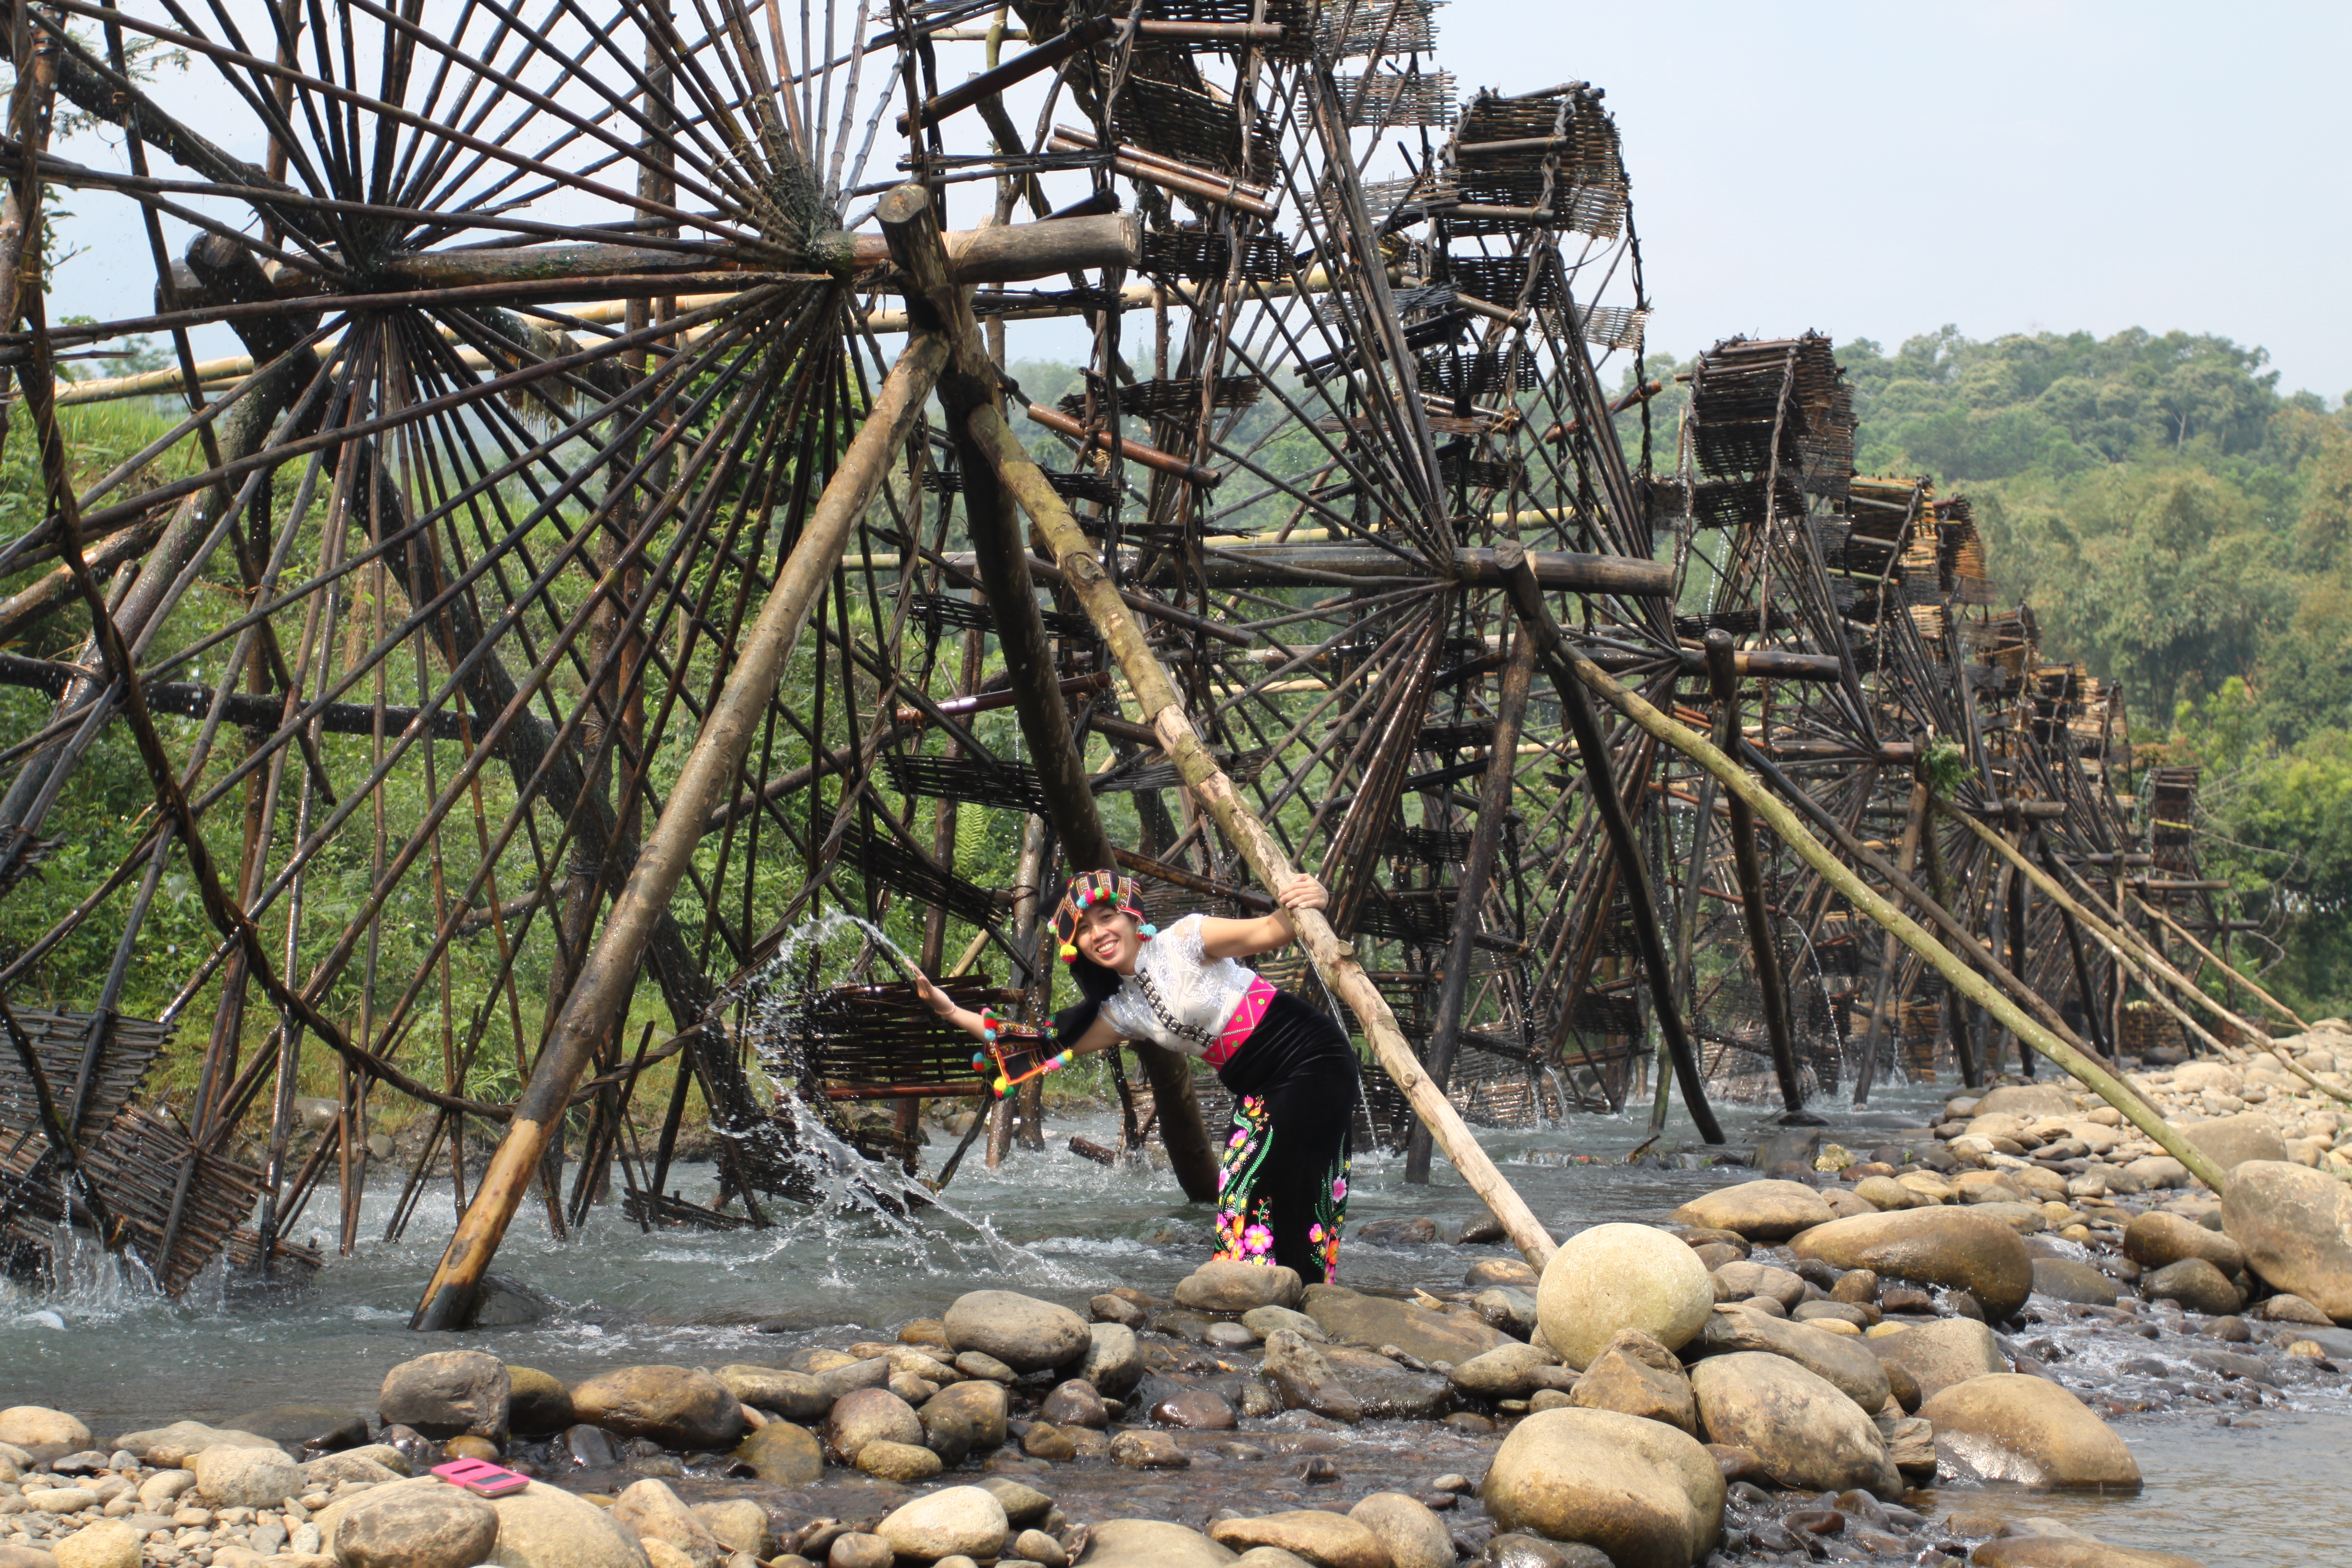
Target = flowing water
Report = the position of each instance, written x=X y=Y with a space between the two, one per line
x=2277 y=1490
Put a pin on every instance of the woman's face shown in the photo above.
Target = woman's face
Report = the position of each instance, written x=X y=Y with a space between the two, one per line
x=1108 y=935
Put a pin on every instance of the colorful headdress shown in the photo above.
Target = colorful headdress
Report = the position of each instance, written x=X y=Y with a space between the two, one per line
x=1091 y=889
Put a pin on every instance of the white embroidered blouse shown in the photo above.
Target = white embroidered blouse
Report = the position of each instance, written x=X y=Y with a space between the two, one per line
x=1195 y=994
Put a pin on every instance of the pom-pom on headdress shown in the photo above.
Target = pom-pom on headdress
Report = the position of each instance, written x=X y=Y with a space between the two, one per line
x=1092 y=889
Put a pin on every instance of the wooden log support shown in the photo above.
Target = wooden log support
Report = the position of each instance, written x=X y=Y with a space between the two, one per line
x=1019 y=68
x=1156 y=695
x=1992 y=998
x=1061 y=423
x=973 y=386
x=1633 y=876
x=1771 y=989
x=1915 y=815
x=602 y=991
x=1493 y=808
x=1271 y=565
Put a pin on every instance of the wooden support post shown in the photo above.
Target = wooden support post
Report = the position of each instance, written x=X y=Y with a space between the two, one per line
x=1956 y=1020
x=1560 y=660
x=2018 y=835
x=706 y=779
x=1494 y=806
x=970 y=388
x=1771 y=990
x=1156 y=697
x=1914 y=817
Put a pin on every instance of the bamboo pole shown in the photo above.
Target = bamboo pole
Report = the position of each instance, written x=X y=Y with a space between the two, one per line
x=1163 y=709
x=1993 y=999
x=602 y=992
x=1771 y=990
x=1907 y=856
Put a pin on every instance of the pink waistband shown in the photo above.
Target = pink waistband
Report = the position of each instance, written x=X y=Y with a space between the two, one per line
x=1244 y=1019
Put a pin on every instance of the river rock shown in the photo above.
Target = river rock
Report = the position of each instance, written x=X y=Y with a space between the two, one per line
x=246 y=1478
x=1264 y=1322
x=1614 y=1277
x=2157 y=1237
x=2065 y=1279
x=2295 y=1226
x=676 y=1406
x=2071 y=1552
x=954 y=1521
x=438 y=1526
x=1804 y=1429
x=908 y=1464
x=102 y=1544
x=1958 y=1247
x=649 y=1510
x=1194 y=1409
x=984 y=1404
x=873 y=1415
x=546 y=1527
x=2283 y=1308
x=1839 y=1360
x=1739 y=1281
x=1941 y=1353
x=1757 y=1211
x=795 y=1396
x=1114 y=1359
x=1228 y=1286
x=1415 y=1230
x=1350 y=1319
x=1502 y=1271
x=324 y=1428
x=783 y=1455
x=1305 y=1380
x=1023 y=1505
x=1412 y=1535
x=1024 y=1334
x=16 y=1556
x=1647 y=1495
x=1326 y=1540
x=2026 y=1430
x=374 y=1463
x=737 y=1524
x=1635 y=1376
x=1151 y=1544
x=2231 y=1140
x=448 y=1394
x=2028 y=1101
x=172 y=1448
x=1074 y=1403
x=2196 y=1285
x=1141 y=1450
x=1886 y=1193
x=45 y=1433
x=1510 y=1372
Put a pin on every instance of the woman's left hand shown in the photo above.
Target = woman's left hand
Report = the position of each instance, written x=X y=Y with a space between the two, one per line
x=1303 y=892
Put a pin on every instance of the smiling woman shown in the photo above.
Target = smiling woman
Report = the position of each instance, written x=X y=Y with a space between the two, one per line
x=1282 y=1188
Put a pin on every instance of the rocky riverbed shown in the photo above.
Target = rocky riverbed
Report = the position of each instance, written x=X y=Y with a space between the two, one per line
x=1913 y=1345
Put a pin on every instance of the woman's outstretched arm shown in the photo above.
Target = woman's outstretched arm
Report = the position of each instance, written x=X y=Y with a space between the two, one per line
x=1242 y=939
x=1100 y=1035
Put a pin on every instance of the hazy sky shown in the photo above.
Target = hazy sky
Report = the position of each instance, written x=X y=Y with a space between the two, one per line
x=1877 y=169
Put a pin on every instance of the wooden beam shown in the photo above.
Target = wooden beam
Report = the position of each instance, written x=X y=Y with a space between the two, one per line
x=1770 y=985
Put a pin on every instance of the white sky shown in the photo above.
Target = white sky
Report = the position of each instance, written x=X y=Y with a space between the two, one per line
x=1877 y=169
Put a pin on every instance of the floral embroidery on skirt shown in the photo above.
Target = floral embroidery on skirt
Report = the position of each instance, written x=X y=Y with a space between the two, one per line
x=1251 y=1170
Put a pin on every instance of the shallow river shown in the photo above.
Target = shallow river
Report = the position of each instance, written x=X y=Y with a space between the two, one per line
x=2277 y=1490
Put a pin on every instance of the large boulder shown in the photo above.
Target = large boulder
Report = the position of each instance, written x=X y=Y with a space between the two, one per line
x=46 y=1434
x=2157 y=1238
x=2028 y=1101
x=1839 y=1360
x=1353 y=1320
x=1941 y=1353
x=439 y=1526
x=1805 y=1431
x=2231 y=1140
x=1635 y=1376
x=2295 y=1226
x=246 y=1478
x=1759 y=1211
x=2196 y=1285
x=649 y=1510
x=1957 y=1247
x=981 y=1404
x=1412 y=1535
x=678 y=1407
x=1325 y=1539
x=1510 y=1372
x=1024 y=1334
x=954 y=1521
x=1647 y=1495
x=1151 y=1543
x=448 y=1394
x=546 y=1527
x=174 y=1447
x=783 y=1455
x=2026 y=1430
x=101 y=1543
x=873 y=1415
x=1615 y=1277
x=1229 y=1286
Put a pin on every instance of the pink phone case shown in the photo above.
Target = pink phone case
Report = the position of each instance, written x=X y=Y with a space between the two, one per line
x=481 y=1477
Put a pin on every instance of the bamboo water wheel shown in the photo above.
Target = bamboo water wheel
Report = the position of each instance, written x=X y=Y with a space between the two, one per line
x=561 y=590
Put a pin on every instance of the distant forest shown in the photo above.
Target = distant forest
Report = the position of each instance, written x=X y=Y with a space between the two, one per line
x=2179 y=525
